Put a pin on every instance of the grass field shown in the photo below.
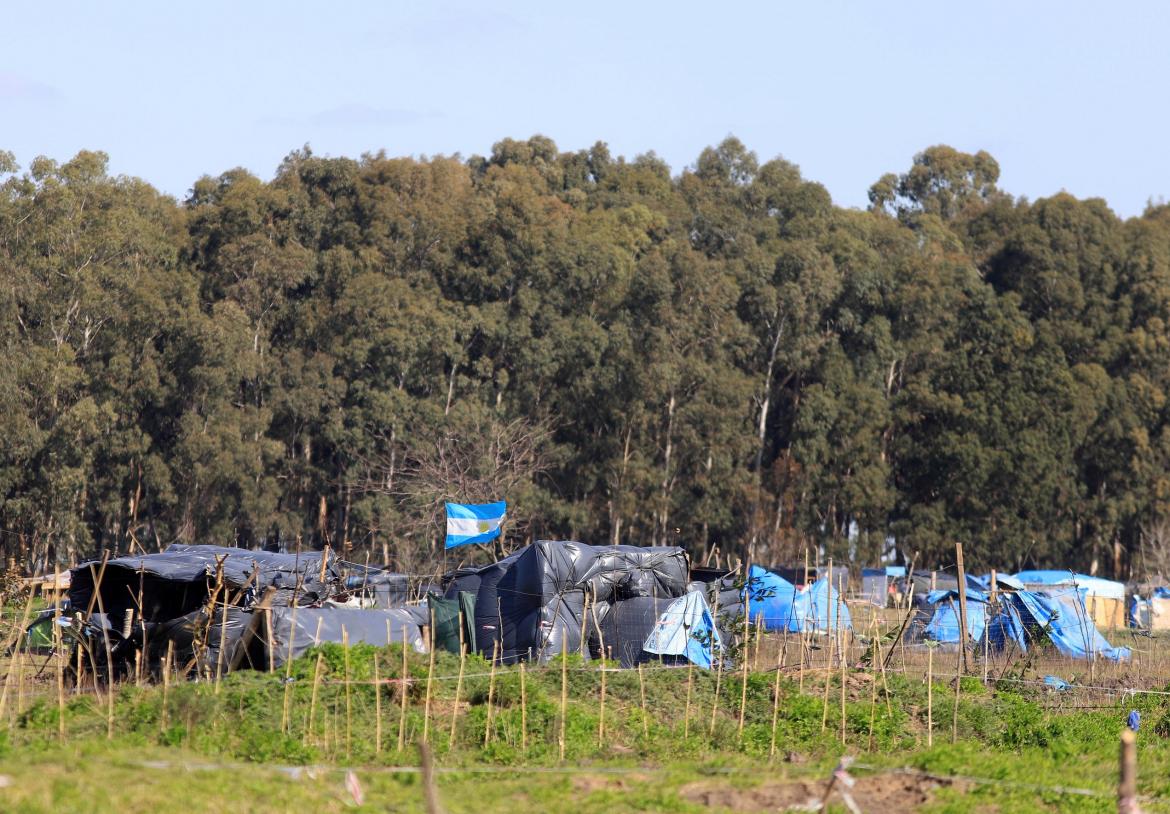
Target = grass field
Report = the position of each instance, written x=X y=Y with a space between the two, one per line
x=337 y=732
x=271 y=742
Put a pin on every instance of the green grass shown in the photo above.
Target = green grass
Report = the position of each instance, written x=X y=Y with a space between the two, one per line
x=213 y=748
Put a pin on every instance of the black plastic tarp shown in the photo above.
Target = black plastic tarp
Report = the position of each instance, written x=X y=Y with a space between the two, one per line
x=543 y=594
x=175 y=582
x=624 y=628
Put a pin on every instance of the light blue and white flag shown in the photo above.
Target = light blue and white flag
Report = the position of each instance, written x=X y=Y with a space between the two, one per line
x=474 y=524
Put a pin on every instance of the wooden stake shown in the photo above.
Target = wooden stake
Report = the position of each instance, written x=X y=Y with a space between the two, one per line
x=58 y=647
x=929 y=696
x=958 y=688
x=403 y=691
x=523 y=710
x=690 y=690
x=487 y=728
x=168 y=665
x=430 y=684
x=430 y=789
x=601 y=716
x=458 y=693
x=348 y=706
x=1127 y=802
x=747 y=628
x=310 y=731
x=840 y=633
x=715 y=700
x=962 y=608
x=645 y=713
x=377 y=706
x=564 y=692
x=775 y=704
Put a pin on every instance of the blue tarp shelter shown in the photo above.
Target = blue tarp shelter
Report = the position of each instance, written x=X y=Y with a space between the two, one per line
x=686 y=628
x=1058 y=615
x=943 y=626
x=783 y=607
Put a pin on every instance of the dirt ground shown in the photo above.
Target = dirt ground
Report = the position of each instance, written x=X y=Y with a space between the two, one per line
x=876 y=793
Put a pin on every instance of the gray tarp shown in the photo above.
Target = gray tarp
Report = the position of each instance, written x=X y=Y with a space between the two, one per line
x=301 y=628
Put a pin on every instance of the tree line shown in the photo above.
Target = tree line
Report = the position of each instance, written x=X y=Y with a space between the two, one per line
x=719 y=358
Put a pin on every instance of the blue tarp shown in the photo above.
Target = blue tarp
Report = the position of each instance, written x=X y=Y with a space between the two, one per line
x=943 y=626
x=1096 y=585
x=686 y=628
x=1062 y=615
x=783 y=607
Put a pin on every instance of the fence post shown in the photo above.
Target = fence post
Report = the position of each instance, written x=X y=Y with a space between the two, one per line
x=962 y=606
x=1127 y=783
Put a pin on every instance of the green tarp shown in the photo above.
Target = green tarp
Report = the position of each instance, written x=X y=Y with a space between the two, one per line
x=447 y=614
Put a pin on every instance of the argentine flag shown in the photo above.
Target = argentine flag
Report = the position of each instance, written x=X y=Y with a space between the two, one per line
x=474 y=524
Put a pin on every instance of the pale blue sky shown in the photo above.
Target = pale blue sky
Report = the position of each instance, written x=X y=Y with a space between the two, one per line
x=1066 y=95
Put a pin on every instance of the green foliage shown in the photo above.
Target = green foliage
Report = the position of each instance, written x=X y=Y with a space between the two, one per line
x=720 y=357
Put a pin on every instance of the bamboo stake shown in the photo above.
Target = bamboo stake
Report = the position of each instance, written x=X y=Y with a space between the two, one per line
x=458 y=692
x=601 y=717
x=222 y=645
x=487 y=728
x=348 y=706
x=747 y=628
x=958 y=688
x=759 y=638
x=645 y=714
x=715 y=700
x=564 y=692
x=311 y=729
x=775 y=704
x=523 y=710
x=430 y=684
x=168 y=664
x=929 y=696
x=690 y=690
x=1127 y=802
x=58 y=647
x=403 y=690
x=377 y=706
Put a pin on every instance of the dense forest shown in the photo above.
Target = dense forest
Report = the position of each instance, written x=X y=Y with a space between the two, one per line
x=719 y=358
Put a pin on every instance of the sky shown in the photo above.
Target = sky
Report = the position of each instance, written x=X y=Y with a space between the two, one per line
x=1064 y=95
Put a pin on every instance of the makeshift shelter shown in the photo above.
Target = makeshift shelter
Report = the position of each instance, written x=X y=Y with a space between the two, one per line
x=1104 y=598
x=686 y=628
x=1152 y=611
x=1059 y=616
x=813 y=609
x=937 y=618
x=543 y=594
x=877 y=583
x=295 y=630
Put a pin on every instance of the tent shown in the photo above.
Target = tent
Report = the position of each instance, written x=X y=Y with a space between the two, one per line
x=783 y=607
x=1058 y=615
x=1104 y=598
x=686 y=628
x=937 y=619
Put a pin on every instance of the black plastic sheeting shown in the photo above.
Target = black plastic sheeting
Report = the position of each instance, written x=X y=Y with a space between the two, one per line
x=543 y=593
x=295 y=630
x=180 y=580
x=624 y=626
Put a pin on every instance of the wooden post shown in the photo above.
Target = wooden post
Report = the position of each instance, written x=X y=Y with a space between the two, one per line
x=690 y=690
x=645 y=713
x=313 y=697
x=958 y=689
x=348 y=706
x=377 y=706
x=715 y=700
x=403 y=691
x=58 y=648
x=459 y=691
x=601 y=717
x=1127 y=783
x=523 y=710
x=430 y=790
x=775 y=703
x=166 y=676
x=430 y=684
x=487 y=727
x=564 y=692
x=747 y=629
x=962 y=607
x=929 y=696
